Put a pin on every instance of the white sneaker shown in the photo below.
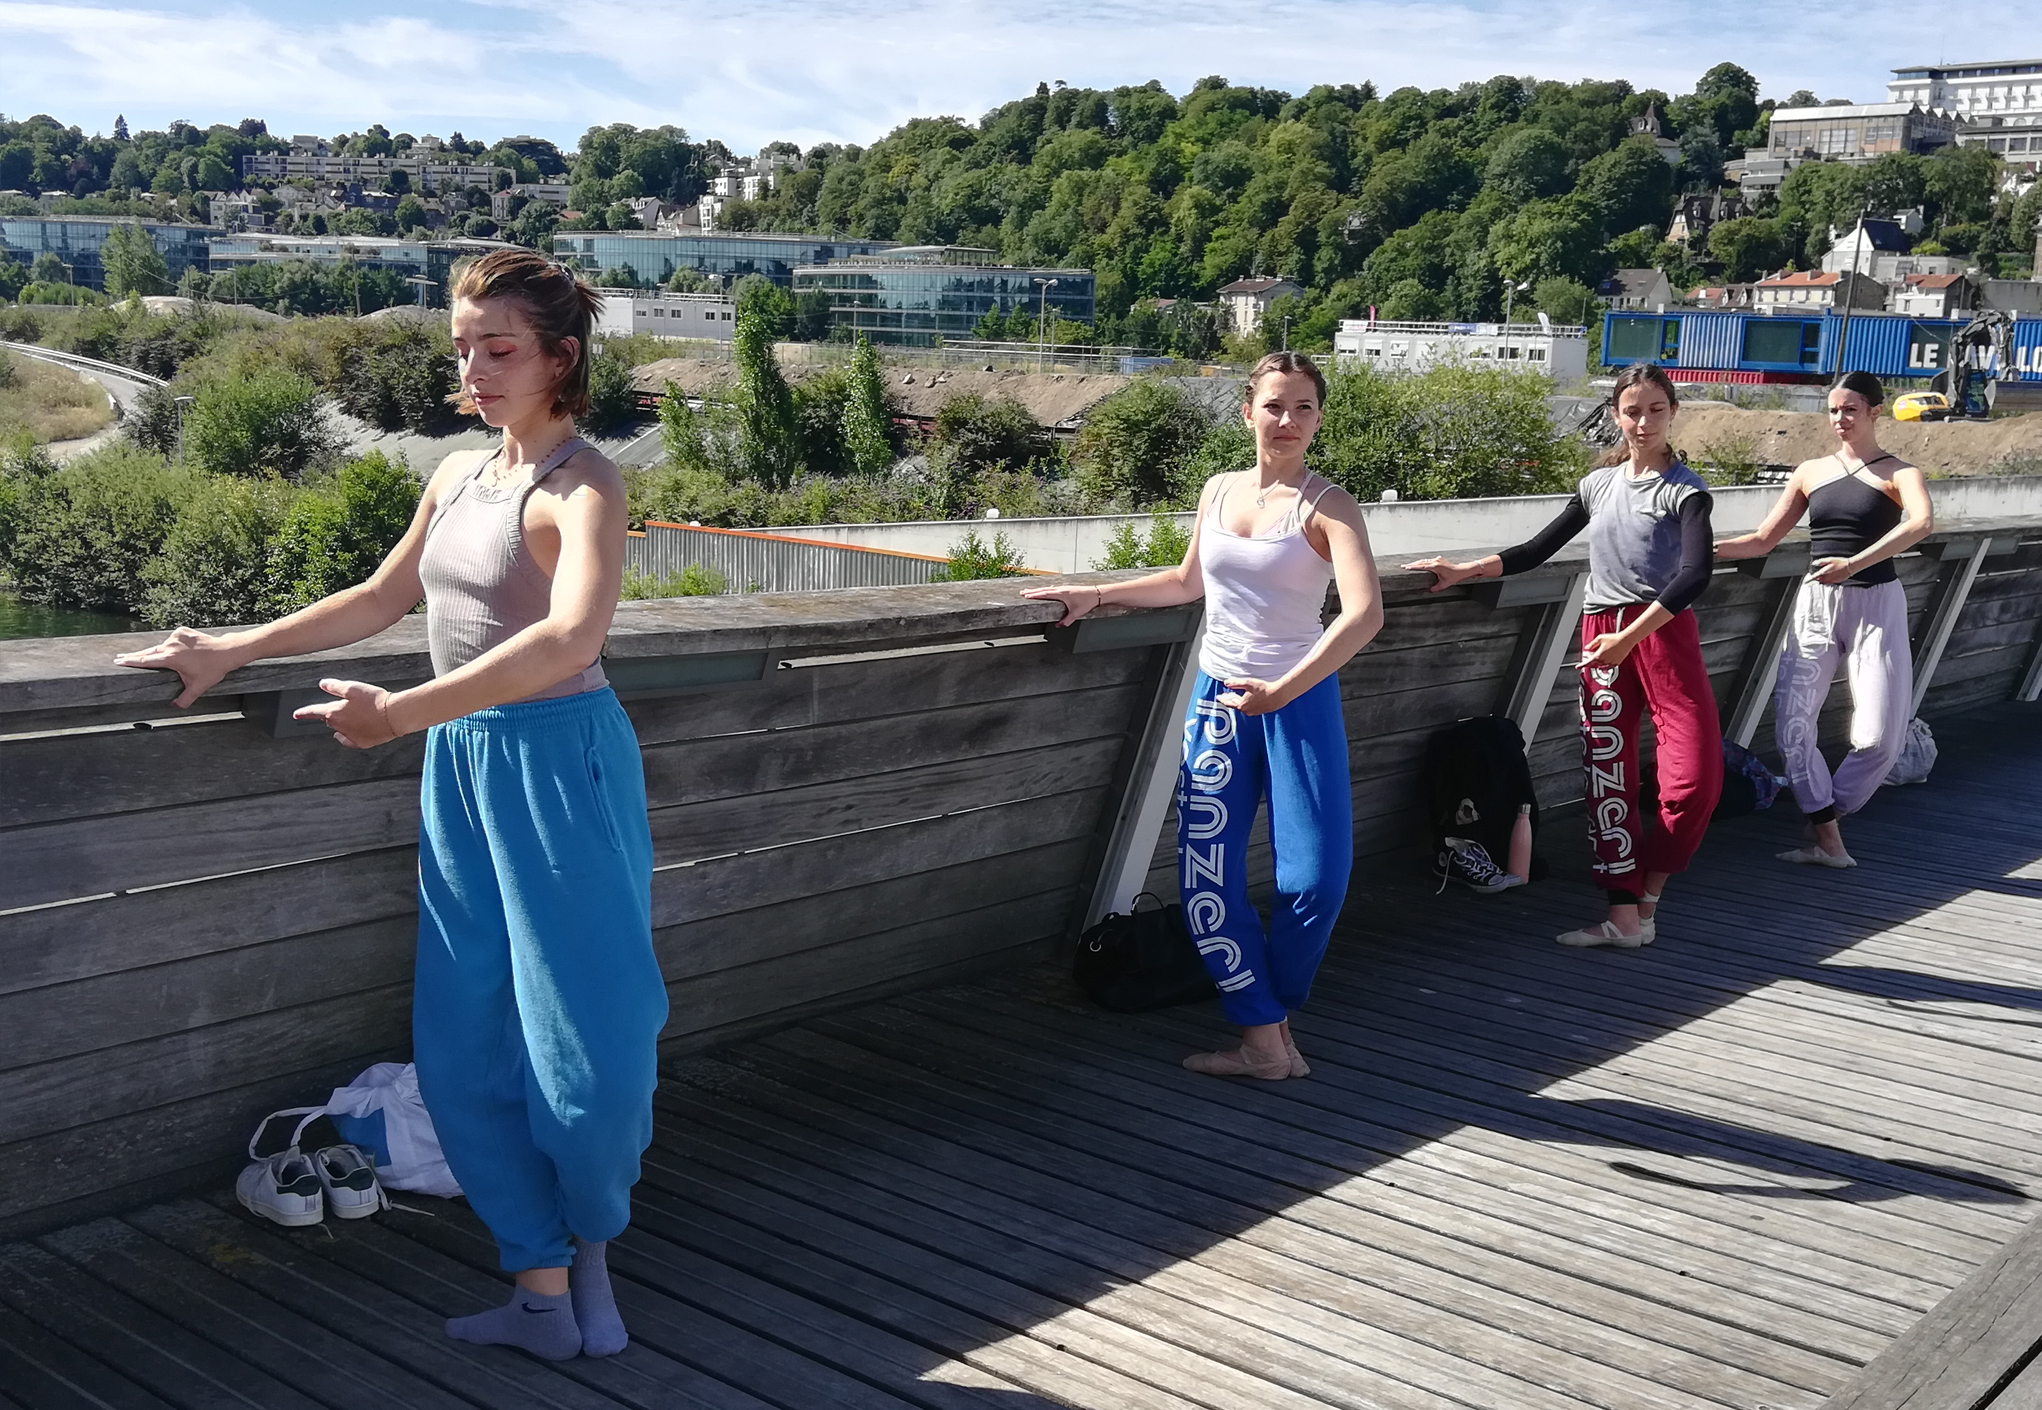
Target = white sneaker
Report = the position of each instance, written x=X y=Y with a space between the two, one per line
x=348 y=1177
x=283 y=1189
x=1603 y=934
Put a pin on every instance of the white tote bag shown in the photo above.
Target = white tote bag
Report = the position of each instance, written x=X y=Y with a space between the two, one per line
x=1917 y=755
x=381 y=1112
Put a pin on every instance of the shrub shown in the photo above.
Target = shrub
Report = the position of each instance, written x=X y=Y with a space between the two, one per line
x=1229 y=445
x=867 y=424
x=767 y=437
x=975 y=433
x=20 y=325
x=972 y=558
x=820 y=405
x=396 y=376
x=83 y=534
x=1454 y=432
x=335 y=534
x=1138 y=444
x=1163 y=548
x=260 y=423
x=213 y=569
x=695 y=580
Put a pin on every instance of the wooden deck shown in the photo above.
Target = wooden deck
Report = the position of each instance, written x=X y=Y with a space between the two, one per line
x=1728 y=1170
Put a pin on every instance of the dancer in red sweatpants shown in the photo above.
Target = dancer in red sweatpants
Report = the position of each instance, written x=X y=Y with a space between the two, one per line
x=1649 y=557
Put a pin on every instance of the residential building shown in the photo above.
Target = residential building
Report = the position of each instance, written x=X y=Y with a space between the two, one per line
x=1722 y=296
x=76 y=240
x=666 y=315
x=505 y=204
x=429 y=259
x=1699 y=211
x=1879 y=247
x=654 y=255
x=1648 y=125
x=1555 y=349
x=1858 y=132
x=1637 y=288
x=1932 y=295
x=1974 y=89
x=424 y=173
x=1246 y=300
x=1812 y=290
x=1756 y=173
x=2011 y=295
x=918 y=294
x=2017 y=138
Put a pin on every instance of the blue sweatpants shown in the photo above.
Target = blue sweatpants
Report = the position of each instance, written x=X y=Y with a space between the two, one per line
x=1298 y=757
x=539 y=1000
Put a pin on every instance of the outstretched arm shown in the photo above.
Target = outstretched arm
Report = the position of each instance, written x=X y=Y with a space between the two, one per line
x=1918 y=521
x=1167 y=587
x=202 y=660
x=1786 y=513
x=1523 y=557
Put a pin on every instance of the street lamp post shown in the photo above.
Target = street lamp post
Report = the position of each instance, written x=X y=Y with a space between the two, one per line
x=1286 y=332
x=1510 y=293
x=180 y=403
x=1042 y=286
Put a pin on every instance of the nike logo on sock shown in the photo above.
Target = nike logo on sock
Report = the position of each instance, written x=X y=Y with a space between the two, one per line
x=529 y=1308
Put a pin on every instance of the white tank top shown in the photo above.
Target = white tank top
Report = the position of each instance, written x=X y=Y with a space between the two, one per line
x=1264 y=596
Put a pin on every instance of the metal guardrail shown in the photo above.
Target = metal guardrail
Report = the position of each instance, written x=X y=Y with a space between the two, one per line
x=761 y=562
x=88 y=364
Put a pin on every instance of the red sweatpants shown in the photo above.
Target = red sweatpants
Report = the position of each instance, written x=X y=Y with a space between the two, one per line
x=1664 y=673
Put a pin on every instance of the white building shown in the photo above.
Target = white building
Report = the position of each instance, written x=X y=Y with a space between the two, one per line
x=1246 y=300
x=1973 y=90
x=1558 y=350
x=666 y=315
x=316 y=165
x=552 y=193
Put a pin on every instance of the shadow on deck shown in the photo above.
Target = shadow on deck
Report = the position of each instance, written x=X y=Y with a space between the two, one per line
x=1727 y=1170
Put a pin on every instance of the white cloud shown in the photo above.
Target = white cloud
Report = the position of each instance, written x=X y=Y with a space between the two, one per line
x=750 y=70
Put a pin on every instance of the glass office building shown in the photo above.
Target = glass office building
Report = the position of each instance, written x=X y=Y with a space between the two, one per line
x=76 y=240
x=430 y=259
x=916 y=294
x=654 y=255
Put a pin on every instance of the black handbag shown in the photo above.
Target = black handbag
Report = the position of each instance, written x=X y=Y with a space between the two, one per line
x=1141 y=960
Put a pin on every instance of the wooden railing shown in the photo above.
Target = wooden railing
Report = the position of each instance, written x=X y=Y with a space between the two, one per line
x=207 y=916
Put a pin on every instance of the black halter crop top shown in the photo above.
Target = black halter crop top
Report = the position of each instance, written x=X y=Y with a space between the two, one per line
x=1846 y=515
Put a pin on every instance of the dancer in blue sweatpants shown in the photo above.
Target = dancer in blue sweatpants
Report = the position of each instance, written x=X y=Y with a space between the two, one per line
x=1265 y=715
x=538 y=994
x=1297 y=757
x=539 y=1001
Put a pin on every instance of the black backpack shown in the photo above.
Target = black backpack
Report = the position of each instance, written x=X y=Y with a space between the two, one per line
x=1141 y=960
x=1476 y=778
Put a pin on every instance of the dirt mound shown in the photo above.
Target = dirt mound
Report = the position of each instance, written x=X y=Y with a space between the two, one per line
x=1790 y=437
x=1052 y=398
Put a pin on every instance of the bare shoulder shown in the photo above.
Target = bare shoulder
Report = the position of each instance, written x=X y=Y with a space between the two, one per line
x=454 y=465
x=1338 y=505
x=587 y=468
x=1814 y=472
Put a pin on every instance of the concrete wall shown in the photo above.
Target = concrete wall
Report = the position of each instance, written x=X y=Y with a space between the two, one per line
x=1075 y=544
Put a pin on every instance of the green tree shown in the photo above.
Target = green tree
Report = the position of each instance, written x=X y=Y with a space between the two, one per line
x=613 y=402
x=265 y=423
x=1163 y=547
x=1748 y=248
x=867 y=421
x=768 y=440
x=81 y=535
x=48 y=269
x=681 y=434
x=1136 y=445
x=1528 y=164
x=132 y=263
x=1629 y=186
x=1566 y=301
x=213 y=569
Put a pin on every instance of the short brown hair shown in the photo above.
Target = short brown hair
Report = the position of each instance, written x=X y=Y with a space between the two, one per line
x=1280 y=362
x=559 y=307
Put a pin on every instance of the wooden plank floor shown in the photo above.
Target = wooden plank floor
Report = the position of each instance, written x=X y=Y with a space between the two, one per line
x=1727 y=1170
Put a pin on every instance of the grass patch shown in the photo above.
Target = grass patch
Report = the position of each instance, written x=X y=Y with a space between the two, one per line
x=47 y=403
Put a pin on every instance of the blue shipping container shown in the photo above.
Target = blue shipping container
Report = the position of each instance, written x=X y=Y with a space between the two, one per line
x=1713 y=340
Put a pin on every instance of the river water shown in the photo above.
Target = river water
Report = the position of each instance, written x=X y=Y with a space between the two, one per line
x=20 y=619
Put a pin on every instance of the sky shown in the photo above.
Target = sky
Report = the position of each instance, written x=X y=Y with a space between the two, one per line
x=751 y=71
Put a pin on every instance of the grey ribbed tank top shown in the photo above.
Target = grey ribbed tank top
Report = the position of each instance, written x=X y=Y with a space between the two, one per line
x=482 y=585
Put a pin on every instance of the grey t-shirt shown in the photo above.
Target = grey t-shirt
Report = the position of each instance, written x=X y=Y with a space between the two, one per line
x=1634 y=532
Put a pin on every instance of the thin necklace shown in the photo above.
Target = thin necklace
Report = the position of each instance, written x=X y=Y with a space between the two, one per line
x=1264 y=494
x=536 y=460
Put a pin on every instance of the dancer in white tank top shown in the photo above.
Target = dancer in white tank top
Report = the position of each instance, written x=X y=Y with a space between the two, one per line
x=1265 y=717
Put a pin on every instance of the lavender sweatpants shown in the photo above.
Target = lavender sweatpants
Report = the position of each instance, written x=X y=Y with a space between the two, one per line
x=1868 y=638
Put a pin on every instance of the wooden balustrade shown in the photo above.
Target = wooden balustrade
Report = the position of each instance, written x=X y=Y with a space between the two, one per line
x=207 y=916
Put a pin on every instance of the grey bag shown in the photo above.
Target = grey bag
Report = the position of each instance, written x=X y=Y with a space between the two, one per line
x=1917 y=755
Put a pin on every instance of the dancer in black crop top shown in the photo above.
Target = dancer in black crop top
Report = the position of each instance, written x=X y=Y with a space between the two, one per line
x=1864 y=506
